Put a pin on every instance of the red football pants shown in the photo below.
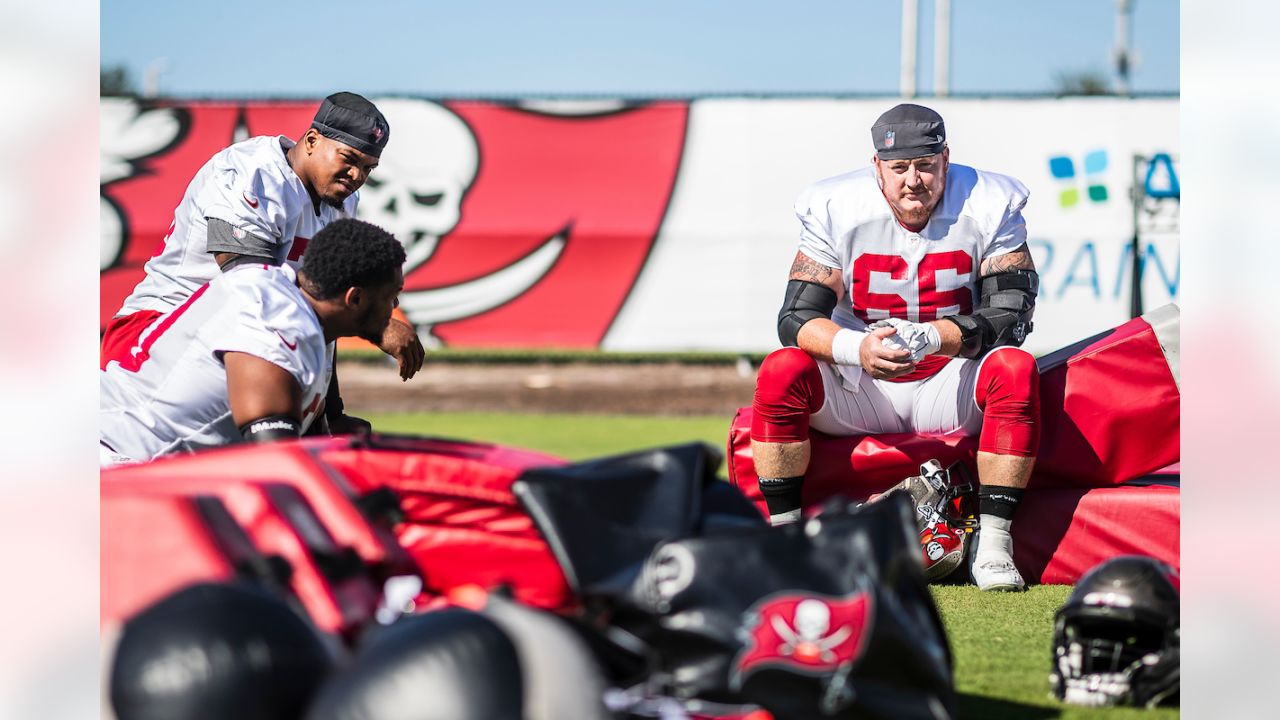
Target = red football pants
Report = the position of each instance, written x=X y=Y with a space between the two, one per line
x=789 y=389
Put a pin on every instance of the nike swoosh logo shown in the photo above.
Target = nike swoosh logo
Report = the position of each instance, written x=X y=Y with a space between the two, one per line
x=253 y=202
x=290 y=345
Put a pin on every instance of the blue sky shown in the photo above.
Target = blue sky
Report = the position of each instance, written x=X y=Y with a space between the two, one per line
x=655 y=48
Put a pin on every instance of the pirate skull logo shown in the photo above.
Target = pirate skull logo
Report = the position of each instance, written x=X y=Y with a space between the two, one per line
x=810 y=640
x=416 y=192
x=934 y=550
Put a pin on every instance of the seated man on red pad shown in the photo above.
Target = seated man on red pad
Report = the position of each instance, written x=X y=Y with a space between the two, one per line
x=911 y=289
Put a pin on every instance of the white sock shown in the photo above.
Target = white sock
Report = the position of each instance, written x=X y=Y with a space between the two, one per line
x=994 y=537
x=785 y=518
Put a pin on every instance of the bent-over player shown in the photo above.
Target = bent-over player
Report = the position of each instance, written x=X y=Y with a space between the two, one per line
x=911 y=289
x=261 y=201
x=248 y=356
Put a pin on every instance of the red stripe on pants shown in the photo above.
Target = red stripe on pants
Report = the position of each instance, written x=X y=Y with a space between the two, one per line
x=122 y=334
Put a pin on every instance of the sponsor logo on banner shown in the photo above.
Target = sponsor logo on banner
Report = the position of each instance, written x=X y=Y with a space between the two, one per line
x=1063 y=169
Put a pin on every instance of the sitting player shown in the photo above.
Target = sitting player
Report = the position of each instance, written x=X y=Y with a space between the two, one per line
x=911 y=289
x=248 y=355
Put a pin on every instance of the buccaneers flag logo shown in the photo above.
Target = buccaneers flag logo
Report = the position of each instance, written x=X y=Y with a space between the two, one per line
x=808 y=633
x=522 y=227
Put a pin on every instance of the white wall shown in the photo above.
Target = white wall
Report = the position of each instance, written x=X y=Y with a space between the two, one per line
x=717 y=273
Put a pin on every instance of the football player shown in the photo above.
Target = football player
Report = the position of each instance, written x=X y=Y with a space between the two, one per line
x=261 y=201
x=248 y=356
x=910 y=292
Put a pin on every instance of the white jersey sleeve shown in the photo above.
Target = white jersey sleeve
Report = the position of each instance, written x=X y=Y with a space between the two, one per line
x=249 y=195
x=813 y=210
x=273 y=326
x=1008 y=197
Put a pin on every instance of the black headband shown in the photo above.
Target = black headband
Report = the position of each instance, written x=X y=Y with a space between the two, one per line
x=352 y=120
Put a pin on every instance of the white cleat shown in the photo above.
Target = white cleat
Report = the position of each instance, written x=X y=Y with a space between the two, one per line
x=996 y=574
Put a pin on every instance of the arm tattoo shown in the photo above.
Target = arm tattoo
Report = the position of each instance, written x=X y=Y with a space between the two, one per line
x=805 y=268
x=1018 y=259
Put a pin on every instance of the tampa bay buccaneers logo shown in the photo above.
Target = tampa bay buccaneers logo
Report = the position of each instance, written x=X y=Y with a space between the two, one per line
x=937 y=540
x=807 y=633
x=522 y=225
x=943 y=548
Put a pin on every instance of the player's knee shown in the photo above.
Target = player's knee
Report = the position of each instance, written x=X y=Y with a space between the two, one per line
x=1008 y=373
x=788 y=391
x=789 y=373
x=1008 y=392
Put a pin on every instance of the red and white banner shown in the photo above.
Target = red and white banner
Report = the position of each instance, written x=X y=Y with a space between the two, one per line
x=654 y=226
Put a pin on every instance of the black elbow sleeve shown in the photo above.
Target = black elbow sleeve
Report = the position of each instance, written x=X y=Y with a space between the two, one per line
x=804 y=301
x=1008 y=300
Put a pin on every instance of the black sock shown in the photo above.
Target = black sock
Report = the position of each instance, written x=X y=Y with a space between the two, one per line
x=999 y=501
x=781 y=494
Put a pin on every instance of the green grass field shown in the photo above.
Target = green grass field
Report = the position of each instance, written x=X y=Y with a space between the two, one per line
x=1000 y=641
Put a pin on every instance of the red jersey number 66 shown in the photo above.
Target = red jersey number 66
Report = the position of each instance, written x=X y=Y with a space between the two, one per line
x=931 y=299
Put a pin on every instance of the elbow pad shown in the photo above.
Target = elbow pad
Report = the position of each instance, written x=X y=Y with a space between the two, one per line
x=273 y=427
x=1007 y=301
x=804 y=301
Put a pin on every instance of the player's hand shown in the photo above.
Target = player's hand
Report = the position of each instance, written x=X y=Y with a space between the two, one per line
x=401 y=342
x=920 y=339
x=881 y=361
x=349 y=425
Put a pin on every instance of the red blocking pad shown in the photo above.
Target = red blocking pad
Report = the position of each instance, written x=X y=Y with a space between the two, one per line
x=462 y=525
x=155 y=545
x=1109 y=408
x=1061 y=533
x=337 y=591
x=292 y=462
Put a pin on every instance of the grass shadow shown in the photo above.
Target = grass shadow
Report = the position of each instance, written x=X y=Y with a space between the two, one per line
x=981 y=707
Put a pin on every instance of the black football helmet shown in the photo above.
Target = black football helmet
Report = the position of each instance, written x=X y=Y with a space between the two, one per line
x=1116 y=639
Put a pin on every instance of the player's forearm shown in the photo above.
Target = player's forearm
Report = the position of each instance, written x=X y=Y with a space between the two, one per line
x=817 y=337
x=950 y=336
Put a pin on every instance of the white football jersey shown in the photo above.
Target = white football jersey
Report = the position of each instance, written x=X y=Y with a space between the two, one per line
x=171 y=395
x=251 y=186
x=890 y=271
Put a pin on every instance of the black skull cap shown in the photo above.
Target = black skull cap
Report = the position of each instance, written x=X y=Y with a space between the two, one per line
x=352 y=120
